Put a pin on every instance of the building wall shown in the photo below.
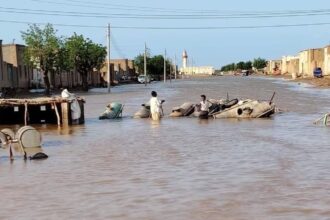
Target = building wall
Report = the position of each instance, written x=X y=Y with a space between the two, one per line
x=202 y=70
x=303 y=62
x=285 y=65
x=21 y=75
x=274 y=67
x=317 y=60
x=293 y=66
x=119 y=68
x=326 y=64
x=73 y=79
x=14 y=73
x=1 y=66
x=309 y=60
x=5 y=68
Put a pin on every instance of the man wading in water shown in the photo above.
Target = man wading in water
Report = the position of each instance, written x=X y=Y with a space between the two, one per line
x=155 y=106
x=204 y=105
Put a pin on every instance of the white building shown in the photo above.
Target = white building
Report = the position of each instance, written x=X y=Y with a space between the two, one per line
x=194 y=70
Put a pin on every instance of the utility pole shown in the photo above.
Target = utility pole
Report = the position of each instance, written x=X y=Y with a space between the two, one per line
x=145 y=64
x=175 y=67
x=171 y=71
x=165 y=67
x=109 y=65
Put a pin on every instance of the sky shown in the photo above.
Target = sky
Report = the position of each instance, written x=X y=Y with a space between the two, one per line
x=216 y=46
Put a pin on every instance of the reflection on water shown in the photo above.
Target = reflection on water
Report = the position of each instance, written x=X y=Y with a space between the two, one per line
x=182 y=168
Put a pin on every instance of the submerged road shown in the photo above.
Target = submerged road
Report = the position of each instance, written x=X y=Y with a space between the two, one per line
x=182 y=168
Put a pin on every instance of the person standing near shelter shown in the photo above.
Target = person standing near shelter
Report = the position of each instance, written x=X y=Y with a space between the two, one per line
x=155 y=106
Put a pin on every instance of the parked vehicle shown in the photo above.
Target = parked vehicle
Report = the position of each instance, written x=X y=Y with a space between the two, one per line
x=318 y=72
x=124 y=77
x=143 y=79
x=245 y=72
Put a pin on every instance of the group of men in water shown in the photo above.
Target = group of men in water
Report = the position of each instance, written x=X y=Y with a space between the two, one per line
x=156 y=109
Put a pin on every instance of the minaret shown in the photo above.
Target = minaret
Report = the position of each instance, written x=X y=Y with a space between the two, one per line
x=184 y=59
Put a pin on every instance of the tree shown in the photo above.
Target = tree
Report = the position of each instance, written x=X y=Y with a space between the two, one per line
x=155 y=65
x=240 y=65
x=62 y=63
x=139 y=62
x=42 y=48
x=84 y=56
x=229 y=67
x=248 y=65
x=259 y=63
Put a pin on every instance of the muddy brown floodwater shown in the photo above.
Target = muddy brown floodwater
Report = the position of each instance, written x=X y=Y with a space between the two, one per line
x=182 y=168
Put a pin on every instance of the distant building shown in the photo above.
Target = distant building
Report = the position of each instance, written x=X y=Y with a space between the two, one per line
x=119 y=68
x=309 y=60
x=194 y=70
x=15 y=74
x=290 y=65
x=274 y=67
x=304 y=63
x=18 y=75
x=326 y=63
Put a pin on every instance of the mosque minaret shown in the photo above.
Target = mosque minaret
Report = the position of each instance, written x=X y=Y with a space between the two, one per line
x=184 y=59
x=194 y=70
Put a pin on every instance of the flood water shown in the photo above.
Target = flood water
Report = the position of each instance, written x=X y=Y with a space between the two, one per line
x=181 y=168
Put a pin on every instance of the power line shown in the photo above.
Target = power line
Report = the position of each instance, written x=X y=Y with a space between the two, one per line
x=62 y=25
x=92 y=5
x=165 y=16
x=180 y=10
x=176 y=28
x=123 y=7
x=116 y=46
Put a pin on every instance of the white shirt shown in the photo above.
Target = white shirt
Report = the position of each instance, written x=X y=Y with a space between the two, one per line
x=205 y=106
x=155 y=105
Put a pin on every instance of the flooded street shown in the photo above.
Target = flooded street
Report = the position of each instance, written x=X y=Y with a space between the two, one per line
x=181 y=168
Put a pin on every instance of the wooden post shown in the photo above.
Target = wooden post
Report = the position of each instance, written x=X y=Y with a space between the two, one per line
x=66 y=113
x=109 y=64
x=165 y=66
x=82 y=110
x=57 y=114
x=26 y=114
x=145 y=64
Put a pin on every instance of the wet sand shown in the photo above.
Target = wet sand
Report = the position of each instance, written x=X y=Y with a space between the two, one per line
x=183 y=168
x=323 y=82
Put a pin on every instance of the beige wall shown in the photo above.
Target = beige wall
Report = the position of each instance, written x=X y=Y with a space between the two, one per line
x=290 y=64
x=197 y=70
x=326 y=64
x=309 y=60
x=1 y=66
x=286 y=62
x=21 y=74
x=119 y=67
x=274 y=67
x=73 y=79
x=4 y=67
x=13 y=72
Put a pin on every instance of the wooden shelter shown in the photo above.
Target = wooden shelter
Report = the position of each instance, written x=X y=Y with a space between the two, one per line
x=53 y=110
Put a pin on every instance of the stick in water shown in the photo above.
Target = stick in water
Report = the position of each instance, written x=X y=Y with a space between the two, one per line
x=271 y=100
